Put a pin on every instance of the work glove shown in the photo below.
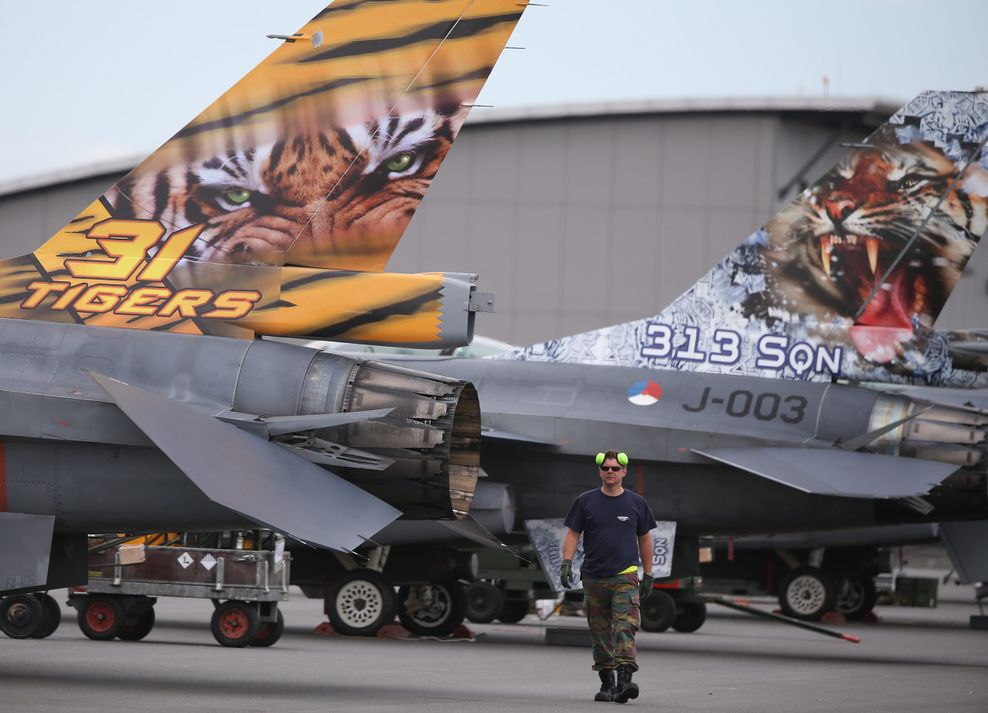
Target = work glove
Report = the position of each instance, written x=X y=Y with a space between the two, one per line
x=645 y=587
x=566 y=574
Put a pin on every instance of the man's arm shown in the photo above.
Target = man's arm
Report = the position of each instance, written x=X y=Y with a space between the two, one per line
x=570 y=542
x=644 y=551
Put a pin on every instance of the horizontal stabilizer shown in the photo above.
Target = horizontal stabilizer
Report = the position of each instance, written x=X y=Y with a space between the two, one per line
x=25 y=546
x=258 y=479
x=965 y=543
x=823 y=471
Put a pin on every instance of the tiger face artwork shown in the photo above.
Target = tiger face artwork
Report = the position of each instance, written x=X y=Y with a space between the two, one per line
x=879 y=243
x=338 y=198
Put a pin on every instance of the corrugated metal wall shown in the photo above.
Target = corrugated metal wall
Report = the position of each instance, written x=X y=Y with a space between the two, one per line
x=580 y=223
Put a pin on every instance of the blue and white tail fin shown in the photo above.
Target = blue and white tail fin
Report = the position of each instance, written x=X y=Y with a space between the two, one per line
x=846 y=281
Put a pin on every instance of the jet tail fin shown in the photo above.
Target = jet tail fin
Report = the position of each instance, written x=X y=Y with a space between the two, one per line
x=310 y=167
x=847 y=280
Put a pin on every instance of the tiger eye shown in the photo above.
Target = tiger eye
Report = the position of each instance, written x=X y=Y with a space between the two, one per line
x=238 y=196
x=399 y=163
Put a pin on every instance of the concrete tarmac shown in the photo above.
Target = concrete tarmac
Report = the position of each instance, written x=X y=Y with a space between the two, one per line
x=925 y=661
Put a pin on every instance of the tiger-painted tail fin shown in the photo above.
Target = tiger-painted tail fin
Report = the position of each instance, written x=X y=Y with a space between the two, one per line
x=847 y=280
x=308 y=169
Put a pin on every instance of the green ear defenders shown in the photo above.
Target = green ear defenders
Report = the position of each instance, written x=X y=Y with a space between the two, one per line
x=622 y=458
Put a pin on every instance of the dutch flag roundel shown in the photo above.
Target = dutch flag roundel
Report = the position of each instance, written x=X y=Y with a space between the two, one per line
x=644 y=393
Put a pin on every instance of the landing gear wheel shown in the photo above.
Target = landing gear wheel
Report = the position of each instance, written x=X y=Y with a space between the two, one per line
x=101 y=618
x=658 y=611
x=689 y=617
x=21 y=616
x=432 y=609
x=856 y=597
x=234 y=624
x=513 y=611
x=806 y=594
x=360 y=602
x=484 y=602
x=269 y=632
x=137 y=626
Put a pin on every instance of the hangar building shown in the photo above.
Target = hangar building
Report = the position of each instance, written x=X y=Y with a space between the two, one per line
x=581 y=216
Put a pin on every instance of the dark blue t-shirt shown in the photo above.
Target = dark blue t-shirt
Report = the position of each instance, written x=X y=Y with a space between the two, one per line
x=611 y=526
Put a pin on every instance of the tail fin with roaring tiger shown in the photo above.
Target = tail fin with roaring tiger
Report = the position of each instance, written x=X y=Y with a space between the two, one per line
x=276 y=209
x=847 y=280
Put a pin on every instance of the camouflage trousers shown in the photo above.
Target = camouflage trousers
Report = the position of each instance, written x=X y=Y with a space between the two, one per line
x=614 y=617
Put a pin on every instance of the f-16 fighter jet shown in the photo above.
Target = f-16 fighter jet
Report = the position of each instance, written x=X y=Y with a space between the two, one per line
x=134 y=395
x=741 y=403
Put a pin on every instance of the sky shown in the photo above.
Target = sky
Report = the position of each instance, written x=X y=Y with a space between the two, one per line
x=103 y=80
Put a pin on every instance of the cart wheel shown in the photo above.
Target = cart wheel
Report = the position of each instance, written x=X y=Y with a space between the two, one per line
x=432 y=609
x=136 y=627
x=658 y=611
x=360 y=602
x=268 y=632
x=53 y=616
x=101 y=618
x=483 y=602
x=689 y=617
x=21 y=615
x=235 y=623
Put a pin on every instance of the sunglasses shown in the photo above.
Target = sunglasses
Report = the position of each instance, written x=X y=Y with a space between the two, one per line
x=611 y=468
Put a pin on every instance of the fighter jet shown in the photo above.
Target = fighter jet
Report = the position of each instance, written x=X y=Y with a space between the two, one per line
x=136 y=396
x=743 y=404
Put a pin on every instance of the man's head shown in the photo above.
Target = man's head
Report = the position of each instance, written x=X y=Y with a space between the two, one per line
x=613 y=467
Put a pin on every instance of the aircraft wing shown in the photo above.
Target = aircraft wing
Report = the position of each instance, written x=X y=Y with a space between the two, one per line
x=822 y=471
x=258 y=479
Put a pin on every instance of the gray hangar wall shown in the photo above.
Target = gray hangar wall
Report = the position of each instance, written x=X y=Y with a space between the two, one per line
x=587 y=216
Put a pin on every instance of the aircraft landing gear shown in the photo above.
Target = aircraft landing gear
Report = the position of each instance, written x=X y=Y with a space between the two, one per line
x=484 y=602
x=856 y=597
x=432 y=609
x=360 y=602
x=806 y=593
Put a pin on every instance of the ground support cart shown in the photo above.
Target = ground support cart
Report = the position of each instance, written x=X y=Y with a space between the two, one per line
x=245 y=586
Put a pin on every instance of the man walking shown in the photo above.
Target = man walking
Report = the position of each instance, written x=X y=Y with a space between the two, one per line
x=616 y=526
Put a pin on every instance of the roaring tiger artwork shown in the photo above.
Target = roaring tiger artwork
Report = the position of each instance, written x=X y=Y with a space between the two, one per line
x=847 y=280
x=880 y=240
x=276 y=209
x=336 y=198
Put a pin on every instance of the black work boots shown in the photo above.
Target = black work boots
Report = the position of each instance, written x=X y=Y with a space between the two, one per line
x=606 y=692
x=625 y=689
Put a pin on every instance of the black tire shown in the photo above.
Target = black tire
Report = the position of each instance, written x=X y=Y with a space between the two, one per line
x=432 y=610
x=806 y=594
x=658 y=612
x=137 y=626
x=269 y=632
x=484 y=602
x=21 y=615
x=53 y=616
x=101 y=618
x=360 y=602
x=855 y=597
x=689 y=617
x=235 y=624
x=513 y=611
